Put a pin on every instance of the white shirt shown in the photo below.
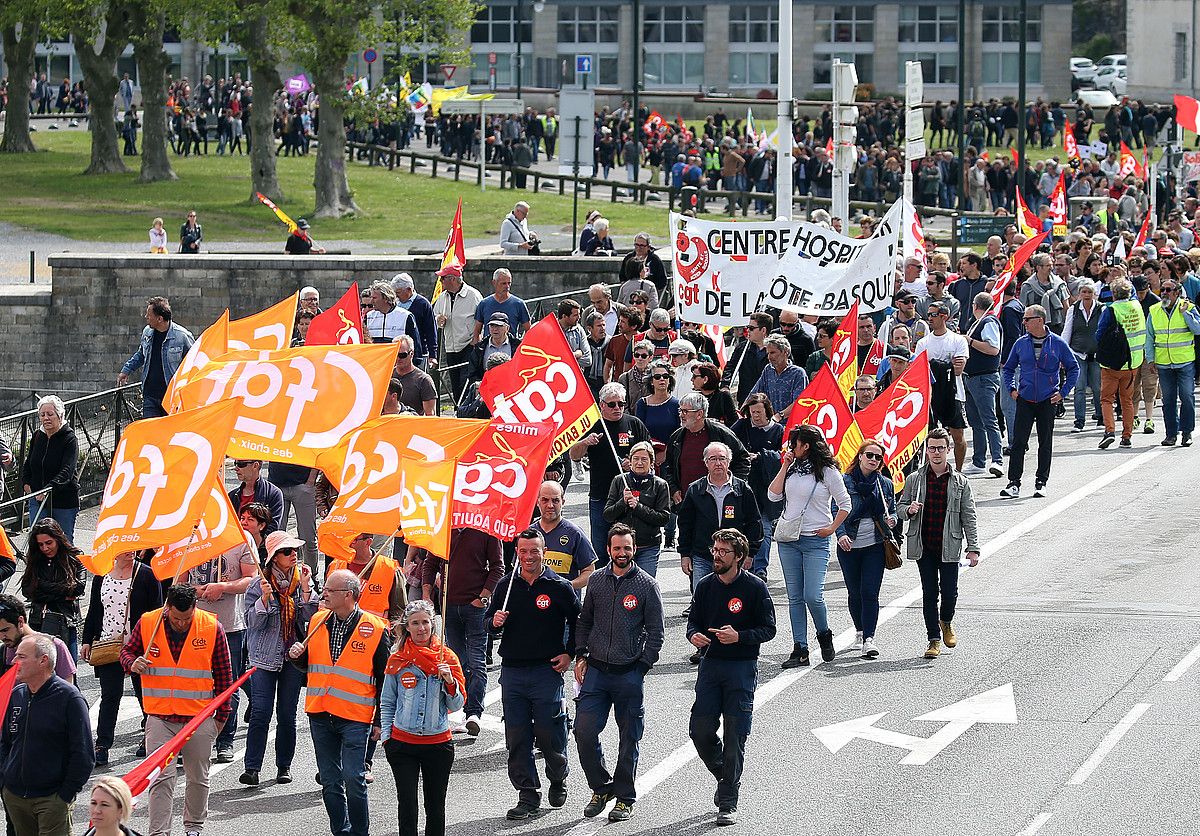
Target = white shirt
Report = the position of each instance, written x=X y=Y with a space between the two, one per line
x=392 y=325
x=809 y=499
x=459 y=310
x=945 y=348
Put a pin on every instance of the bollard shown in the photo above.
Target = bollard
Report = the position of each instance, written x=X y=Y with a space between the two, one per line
x=31 y=266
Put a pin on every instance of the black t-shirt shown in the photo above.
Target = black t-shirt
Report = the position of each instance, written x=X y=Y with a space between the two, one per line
x=603 y=468
x=297 y=245
x=155 y=384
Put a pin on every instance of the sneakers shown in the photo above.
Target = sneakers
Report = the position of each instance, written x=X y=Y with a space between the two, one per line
x=798 y=659
x=558 y=795
x=1039 y=489
x=973 y=470
x=523 y=811
x=596 y=806
x=225 y=754
x=284 y=776
x=1013 y=491
x=934 y=650
x=996 y=469
x=621 y=812
x=101 y=756
x=1169 y=441
x=249 y=778
x=1125 y=442
x=1077 y=427
x=1185 y=440
x=1149 y=428
x=948 y=637
x=1108 y=440
x=472 y=726
x=825 y=639
x=726 y=816
x=869 y=650
x=858 y=641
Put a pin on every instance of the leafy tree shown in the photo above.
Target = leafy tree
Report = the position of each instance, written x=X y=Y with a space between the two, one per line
x=23 y=24
x=149 y=20
x=101 y=30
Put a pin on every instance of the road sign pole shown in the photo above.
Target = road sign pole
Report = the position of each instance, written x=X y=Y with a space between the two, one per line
x=575 y=185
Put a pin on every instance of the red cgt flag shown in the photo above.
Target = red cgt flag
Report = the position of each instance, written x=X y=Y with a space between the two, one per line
x=1129 y=163
x=823 y=406
x=843 y=356
x=899 y=418
x=1143 y=233
x=142 y=776
x=497 y=480
x=1187 y=113
x=7 y=683
x=340 y=324
x=1015 y=262
x=542 y=382
x=1070 y=146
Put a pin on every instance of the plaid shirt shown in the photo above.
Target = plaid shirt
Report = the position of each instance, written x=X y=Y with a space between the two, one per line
x=339 y=632
x=222 y=669
x=933 y=522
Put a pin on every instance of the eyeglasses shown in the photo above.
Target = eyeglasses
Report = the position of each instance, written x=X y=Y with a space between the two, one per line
x=864 y=388
x=716 y=458
x=1170 y=290
x=941 y=448
x=722 y=552
x=240 y=463
x=640 y=355
x=330 y=590
x=285 y=552
x=614 y=404
x=400 y=355
x=875 y=457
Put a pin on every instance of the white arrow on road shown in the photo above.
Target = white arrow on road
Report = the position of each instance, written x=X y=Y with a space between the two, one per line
x=994 y=706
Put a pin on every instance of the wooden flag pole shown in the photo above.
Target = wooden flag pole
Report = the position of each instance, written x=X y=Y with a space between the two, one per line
x=178 y=571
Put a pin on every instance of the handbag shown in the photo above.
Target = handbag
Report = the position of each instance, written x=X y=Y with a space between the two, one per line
x=108 y=651
x=788 y=531
x=54 y=624
x=892 y=550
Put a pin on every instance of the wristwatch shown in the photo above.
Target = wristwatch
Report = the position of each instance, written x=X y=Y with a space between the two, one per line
x=485 y=599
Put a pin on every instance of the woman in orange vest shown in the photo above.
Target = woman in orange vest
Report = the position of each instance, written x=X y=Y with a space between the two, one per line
x=424 y=683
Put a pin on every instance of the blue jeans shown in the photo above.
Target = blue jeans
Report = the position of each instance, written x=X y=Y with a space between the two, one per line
x=237 y=660
x=701 y=569
x=1009 y=408
x=341 y=748
x=724 y=691
x=647 y=559
x=762 y=186
x=762 y=557
x=804 y=563
x=65 y=517
x=1178 y=399
x=622 y=694
x=599 y=530
x=278 y=693
x=862 y=569
x=533 y=712
x=1089 y=378
x=152 y=408
x=981 y=415
x=466 y=635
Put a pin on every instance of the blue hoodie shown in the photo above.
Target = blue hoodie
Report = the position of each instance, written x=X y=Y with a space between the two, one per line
x=1039 y=375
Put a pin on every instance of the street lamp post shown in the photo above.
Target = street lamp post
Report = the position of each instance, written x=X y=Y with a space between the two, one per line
x=538 y=8
x=1023 y=27
x=961 y=113
x=637 y=81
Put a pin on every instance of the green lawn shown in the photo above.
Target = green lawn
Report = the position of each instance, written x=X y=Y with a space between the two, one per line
x=46 y=191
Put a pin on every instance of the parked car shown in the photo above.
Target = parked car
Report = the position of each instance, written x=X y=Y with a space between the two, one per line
x=1108 y=76
x=1116 y=59
x=1119 y=83
x=1083 y=70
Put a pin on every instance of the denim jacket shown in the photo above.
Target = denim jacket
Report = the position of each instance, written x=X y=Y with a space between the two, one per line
x=264 y=638
x=174 y=348
x=879 y=483
x=421 y=710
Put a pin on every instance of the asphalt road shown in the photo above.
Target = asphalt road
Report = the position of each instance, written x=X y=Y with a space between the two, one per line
x=1079 y=628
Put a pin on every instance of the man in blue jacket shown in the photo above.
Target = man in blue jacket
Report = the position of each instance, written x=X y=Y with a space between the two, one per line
x=46 y=744
x=1042 y=358
x=161 y=349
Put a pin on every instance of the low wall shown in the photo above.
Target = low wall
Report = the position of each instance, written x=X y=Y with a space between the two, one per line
x=76 y=334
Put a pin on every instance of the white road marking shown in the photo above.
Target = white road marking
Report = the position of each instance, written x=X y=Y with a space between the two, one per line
x=1185 y=664
x=1036 y=825
x=1108 y=743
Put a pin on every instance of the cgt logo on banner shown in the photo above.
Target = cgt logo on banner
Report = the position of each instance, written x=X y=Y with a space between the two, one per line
x=726 y=271
x=155 y=491
x=823 y=406
x=899 y=418
x=296 y=403
x=492 y=490
x=542 y=383
x=340 y=324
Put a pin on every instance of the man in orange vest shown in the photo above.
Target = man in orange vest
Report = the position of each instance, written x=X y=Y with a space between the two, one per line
x=183 y=665
x=346 y=654
x=382 y=580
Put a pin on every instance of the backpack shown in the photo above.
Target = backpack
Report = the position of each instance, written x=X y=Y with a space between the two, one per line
x=1112 y=349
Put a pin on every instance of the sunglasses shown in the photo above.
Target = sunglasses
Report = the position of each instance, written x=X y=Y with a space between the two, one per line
x=875 y=457
x=660 y=377
x=285 y=552
x=241 y=463
x=400 y=355
x=1030 y=318
x=641 y=355
x=614 y=404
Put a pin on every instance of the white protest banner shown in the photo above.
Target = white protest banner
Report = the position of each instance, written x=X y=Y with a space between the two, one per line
x=1190 y=170
x=725 y=271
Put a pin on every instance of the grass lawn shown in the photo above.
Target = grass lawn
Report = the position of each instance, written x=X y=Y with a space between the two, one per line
x=45 y=191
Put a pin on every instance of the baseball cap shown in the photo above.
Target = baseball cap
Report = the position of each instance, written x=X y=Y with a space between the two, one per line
x=681 y=347
x=904 y=296
x=303 y=224
x=277 y=540
x=498 y=318
x=899 y=352
x=451 y=270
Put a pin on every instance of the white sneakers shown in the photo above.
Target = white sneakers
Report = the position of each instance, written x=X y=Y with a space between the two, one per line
x=869 y=650
x=858 y=641
x=473 y=726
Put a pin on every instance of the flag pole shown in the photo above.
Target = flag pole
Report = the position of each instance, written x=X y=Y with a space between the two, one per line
x=178 y=571
x=445 y=601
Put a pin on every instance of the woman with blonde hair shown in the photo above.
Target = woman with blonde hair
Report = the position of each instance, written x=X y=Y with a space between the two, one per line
x=860 y=538
x=110 y=808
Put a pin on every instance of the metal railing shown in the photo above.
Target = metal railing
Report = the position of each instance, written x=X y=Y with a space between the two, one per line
x=98 y=421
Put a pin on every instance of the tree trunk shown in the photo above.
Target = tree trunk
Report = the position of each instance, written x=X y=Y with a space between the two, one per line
x=18 y=56
x=152 y=66
x=264 y=70
x=333 y=189
x=100 y=82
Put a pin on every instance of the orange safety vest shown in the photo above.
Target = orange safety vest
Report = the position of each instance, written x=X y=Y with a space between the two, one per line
x=346 y=689
x=180 y=686
x=376 y=588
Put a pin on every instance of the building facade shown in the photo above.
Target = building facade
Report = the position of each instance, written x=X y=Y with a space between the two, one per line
x=1160 y=42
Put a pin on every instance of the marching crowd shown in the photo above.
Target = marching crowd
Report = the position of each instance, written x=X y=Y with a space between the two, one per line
x=692 y=455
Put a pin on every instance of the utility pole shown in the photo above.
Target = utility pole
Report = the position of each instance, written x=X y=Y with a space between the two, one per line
x=517 y=30
x=961 y=113
x=1023 y=28
x=637 y=84
x=783 y=157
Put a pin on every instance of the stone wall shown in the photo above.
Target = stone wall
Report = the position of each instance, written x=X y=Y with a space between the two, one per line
x=76 y=334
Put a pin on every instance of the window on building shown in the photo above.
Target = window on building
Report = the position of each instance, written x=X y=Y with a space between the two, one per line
x=480 y=68
x=936 y=67
x=1002 y=24
x=674 y=69
x=753 y=68
x=1181 y=57
x=928 y=24
x=673 y=25
x=754 y=24
x=604 y=69
x=864 y=65
x=498 y=25
x=844 y=24
x=587 y=24
x=1004 y=68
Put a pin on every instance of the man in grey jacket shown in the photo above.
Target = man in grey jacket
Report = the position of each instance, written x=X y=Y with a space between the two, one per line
x=619 y=637
x=940 y=508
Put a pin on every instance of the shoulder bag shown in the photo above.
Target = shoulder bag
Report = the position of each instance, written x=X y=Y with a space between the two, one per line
x=788 y=531
x=893 y=550
x=107 y=651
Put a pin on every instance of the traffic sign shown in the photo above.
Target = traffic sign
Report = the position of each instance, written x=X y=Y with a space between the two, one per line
x=370 y=55
x=492 y=58
x=583 y=64
x=448 y=70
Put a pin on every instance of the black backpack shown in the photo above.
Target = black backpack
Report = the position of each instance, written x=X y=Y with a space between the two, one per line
x=1112 y=348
